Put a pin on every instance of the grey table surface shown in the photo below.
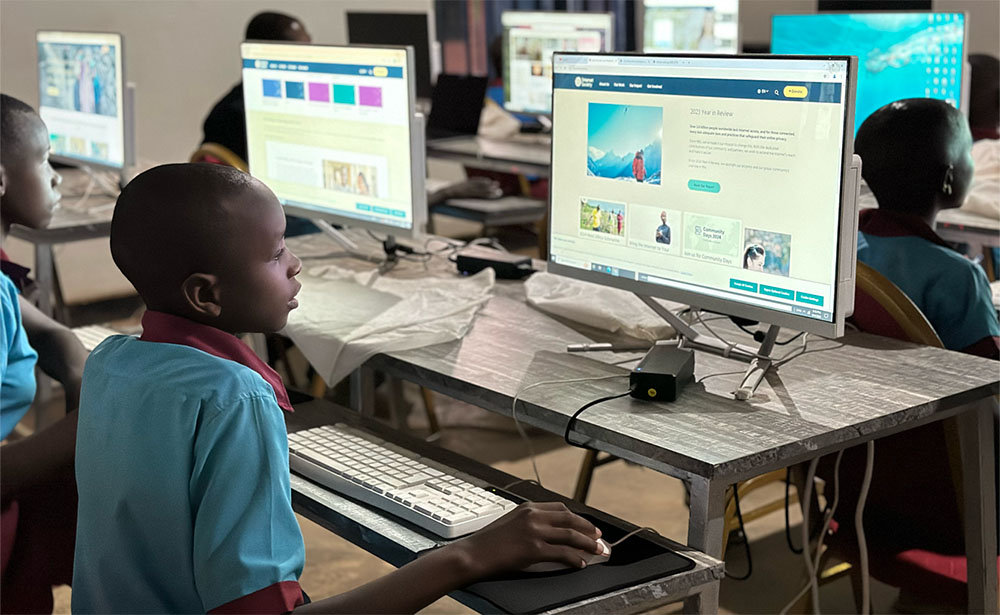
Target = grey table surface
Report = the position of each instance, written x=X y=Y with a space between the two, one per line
x=507 y=156
x=399 y=543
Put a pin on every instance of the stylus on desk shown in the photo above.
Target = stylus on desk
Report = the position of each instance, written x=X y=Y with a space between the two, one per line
x=605 y=346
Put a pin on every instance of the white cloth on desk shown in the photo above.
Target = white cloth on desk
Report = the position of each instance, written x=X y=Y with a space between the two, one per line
x=346 y=317
x=984 y=194
x=601 y=307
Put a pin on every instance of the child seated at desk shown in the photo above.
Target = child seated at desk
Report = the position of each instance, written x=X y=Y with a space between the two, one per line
x=916 y=159
x=182 y=455
x=36 y=484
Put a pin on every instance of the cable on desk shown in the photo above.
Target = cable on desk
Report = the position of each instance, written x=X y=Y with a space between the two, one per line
x=589 y=404
x=758 y=336
x=746 y=539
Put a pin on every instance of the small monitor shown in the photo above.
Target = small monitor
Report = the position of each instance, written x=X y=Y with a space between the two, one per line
x=333 y=132
x=398 y=29
x=726 y=183
x=900 y=55
x=81 y=97
x=700 y=26
x=530 y=38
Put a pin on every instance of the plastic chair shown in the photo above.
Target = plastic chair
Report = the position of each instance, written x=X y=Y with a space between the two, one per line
x=218 y=154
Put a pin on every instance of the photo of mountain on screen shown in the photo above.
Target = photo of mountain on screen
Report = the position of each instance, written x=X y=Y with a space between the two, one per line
x=624 y=142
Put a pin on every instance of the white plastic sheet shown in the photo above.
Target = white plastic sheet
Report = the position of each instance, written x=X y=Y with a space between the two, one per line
x=601 y=307
x=346 y=317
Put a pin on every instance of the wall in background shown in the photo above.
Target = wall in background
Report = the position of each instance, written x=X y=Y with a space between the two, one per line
x=183 y=55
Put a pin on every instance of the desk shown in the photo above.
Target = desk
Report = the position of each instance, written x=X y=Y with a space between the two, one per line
x=518 y=156
x=399 y=543
x=857 y=389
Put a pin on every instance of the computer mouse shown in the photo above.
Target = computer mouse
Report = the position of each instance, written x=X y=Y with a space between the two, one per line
x=591 y=559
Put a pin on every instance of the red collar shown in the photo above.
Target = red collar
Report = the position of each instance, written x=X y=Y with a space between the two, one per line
x=17 y=273
x=886 y=223
x=163 y=327
x=985 y=133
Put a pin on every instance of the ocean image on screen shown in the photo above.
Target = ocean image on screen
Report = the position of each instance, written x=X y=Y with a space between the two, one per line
x=78 y=77
x=624 y=142
x=900 y=55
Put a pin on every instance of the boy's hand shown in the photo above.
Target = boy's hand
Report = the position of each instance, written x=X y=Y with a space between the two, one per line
x=529 y=534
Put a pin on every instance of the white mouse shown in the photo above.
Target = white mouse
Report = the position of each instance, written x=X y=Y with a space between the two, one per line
x=590 y=558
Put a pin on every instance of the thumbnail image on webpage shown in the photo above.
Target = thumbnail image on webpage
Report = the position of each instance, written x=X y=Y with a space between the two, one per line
x=624 y=142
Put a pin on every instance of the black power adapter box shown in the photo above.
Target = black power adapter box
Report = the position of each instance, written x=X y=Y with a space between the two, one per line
x=474 y=259
x=662 y=373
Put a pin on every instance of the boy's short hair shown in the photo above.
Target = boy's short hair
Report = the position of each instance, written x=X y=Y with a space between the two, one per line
x=12 y=125
x=169 y=223
x=270 y=26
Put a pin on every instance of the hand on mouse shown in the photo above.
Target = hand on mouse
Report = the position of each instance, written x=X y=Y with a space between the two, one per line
x=529 y=534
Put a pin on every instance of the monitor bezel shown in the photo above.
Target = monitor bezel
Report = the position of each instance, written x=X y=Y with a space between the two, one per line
x=965 y=86
x=640 y=34
x=418 y=196
x=843 y=282
x=505 y=47
x=127 y=142
x=432 y=61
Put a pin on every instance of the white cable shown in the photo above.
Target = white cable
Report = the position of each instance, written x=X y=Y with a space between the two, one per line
x=859 y=525
x=517 y=423
x=775 y=362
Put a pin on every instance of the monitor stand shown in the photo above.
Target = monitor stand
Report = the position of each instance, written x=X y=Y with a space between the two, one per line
x=389 y=246
x=759 y=359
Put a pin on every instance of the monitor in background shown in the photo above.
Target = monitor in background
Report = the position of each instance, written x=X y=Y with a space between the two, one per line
x=723 y=183
x=456 y=106
x=900 y=55
x=706 y=26
x=397 y=29
x=333 y=132
x=82 y=98
x=530 y=38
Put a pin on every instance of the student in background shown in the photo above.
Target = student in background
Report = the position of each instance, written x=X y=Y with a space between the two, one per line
x=984 y=120
x=917 y=161
x=204 y=522
x=37 y=492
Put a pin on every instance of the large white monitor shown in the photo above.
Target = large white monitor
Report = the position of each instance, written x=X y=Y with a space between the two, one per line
x=529 y=40
x=900 y=55
x=333 y=132
x=723 y=182
x=82 y=98
x=702 y=26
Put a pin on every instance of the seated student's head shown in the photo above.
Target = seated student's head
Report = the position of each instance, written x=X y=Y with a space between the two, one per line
x=916 y=156
x=984 y=96
x=28 y=182
x=206 y=242
x=271 y=26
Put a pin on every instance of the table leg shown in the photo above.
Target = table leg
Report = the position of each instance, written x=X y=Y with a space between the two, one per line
x=705 y=601
x=362 y=395
x=979 y=489
x=705 y=527
x=45 y=275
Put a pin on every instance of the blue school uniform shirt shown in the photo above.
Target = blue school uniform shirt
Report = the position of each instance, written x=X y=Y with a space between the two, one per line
x=182 y=473
x=951 y=290
x=17 y=361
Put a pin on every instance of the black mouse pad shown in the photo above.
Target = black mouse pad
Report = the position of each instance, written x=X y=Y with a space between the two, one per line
x=633 y=562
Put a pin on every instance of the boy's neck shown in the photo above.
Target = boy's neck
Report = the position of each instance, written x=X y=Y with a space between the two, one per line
x=928 y=213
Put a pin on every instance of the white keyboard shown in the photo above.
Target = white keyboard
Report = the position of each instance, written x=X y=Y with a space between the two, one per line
x=428 y=494
x=92 y=335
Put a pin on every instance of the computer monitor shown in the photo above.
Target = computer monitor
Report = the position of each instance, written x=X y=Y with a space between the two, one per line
x=704 y=26
x=900 y=55
x=398 y=29
x=530 y=38
x=727 y=183
x=333 y=132
x=83 y=100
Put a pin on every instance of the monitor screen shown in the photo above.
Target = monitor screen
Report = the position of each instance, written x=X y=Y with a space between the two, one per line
x=396 y=29
x=706 y=26
x=715 y=181
x=329 y=130
x=900 y=55
x=80 y=96
x=530 y=38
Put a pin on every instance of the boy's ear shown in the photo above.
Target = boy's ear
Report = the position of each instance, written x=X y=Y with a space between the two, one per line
x=201 y=294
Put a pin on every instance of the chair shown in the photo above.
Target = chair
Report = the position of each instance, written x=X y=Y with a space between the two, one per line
x=218 y=154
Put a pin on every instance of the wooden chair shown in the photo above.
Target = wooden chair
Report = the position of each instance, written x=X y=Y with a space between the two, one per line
x=218 y=154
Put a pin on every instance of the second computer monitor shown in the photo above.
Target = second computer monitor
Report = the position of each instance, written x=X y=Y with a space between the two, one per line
x=900 y=55
x=705 y=26
x=412 y=29
x=530 y=39
x=333 y=132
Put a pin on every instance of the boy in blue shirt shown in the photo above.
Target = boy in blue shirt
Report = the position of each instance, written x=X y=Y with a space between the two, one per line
x=917 y=161
x=37 y=493
x=182 y=455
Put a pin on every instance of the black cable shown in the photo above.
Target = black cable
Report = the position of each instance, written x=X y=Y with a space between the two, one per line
x=758 y=336
x=788 y=530
x=746 y=539
x=569 y=423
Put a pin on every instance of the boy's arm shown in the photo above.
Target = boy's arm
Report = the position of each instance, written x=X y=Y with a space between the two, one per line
x=60 y=353
x=39 y=459
x=530 y=534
